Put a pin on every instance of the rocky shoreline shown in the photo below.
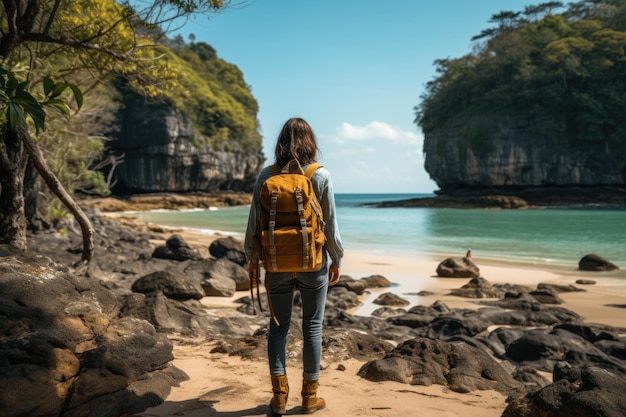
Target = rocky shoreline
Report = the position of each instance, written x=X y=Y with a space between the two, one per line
x=494 y=198
x=164 y=201
x=110 y=333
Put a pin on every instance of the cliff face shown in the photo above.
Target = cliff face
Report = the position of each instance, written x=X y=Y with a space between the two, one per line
x=163 y=152
x=501 y=153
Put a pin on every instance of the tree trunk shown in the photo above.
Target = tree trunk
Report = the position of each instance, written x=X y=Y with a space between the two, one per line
x=55 y=186
x=33 y=199
x=12 y=219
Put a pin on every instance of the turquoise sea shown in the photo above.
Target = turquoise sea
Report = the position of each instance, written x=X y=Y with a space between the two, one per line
x=537 y=237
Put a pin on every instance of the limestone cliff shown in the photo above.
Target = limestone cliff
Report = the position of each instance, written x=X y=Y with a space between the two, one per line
x=163 y=152
x=500 y=153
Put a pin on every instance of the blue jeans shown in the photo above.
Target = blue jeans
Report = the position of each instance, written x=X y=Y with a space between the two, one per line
x=313 y=287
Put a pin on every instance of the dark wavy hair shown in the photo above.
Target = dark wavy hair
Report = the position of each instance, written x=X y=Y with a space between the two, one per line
x=296 y=141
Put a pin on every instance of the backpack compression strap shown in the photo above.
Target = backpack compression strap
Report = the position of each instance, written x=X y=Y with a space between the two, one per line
x=272 y=226
x=305 y=235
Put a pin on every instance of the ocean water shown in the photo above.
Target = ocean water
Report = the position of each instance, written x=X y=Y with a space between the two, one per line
x=538 y=237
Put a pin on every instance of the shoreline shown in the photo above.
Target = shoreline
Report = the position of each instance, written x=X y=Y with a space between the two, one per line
x=412 y=274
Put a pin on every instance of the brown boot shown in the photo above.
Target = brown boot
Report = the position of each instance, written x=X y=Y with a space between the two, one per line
x=280 y=388
x=310 y=402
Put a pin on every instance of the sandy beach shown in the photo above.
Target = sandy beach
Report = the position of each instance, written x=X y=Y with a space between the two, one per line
x=220 y=385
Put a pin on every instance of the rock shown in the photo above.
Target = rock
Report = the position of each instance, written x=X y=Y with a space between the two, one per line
x=219 y=286
x=226 y=267
x=543 y=348
x=386 y=312
x=341 y=298
x=376 y=281
x=214 y=276
x=458 y=268
x=478 y=287
x=177 y=249
x=530 y=377
x=546 y=296
x=411 y=320
x=340 y=344
x=508 y=152
x=559 y=288
x=230 y=248
x=594 y=262
x=423 y=361
x=524 y=310
x=490 y=201
x=586 y=281
x=356 y=286
x=390 y=299
x=481 y=288
x=396 y=369
x=164 y=152
x=582 y=392
x=67 y=351
x=443 y=327
x=173 y=285
x=188 y=318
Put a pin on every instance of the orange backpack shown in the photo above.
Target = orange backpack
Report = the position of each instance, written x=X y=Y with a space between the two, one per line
x=291 y=227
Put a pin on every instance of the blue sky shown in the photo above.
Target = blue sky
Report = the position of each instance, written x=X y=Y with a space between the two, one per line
x=354 y=69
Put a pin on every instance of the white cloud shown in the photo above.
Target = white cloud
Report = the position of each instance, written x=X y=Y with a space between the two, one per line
x=374 y=131
x=376 y=157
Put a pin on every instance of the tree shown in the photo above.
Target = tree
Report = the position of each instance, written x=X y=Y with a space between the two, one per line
x=567 y=68
x=100 y=37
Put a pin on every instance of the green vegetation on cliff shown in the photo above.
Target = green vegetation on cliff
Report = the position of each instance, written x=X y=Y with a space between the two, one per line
x=213 y=94
x=567 y=67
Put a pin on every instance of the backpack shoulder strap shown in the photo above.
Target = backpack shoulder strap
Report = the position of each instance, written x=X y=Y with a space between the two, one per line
x=311 y=170
x=275 y=169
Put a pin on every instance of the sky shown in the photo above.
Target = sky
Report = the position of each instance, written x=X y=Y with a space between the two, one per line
x=354 y=69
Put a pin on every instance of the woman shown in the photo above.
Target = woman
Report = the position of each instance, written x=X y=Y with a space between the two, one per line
x=297 y=141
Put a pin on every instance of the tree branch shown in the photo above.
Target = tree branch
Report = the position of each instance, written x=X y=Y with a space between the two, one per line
x=40 y=37
x=57 y=188
x=53 y=13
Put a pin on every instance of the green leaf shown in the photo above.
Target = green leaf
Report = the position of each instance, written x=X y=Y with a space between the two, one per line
x=78 y=95
x=57 y=89
x=11 y=84
x=24 y=98
x=34 y=111
x=59 y=105
x=48 y=85
x=14 y=115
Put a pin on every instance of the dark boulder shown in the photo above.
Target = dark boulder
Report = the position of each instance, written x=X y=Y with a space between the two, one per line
x=524 y=310
x=544 y=348
x=458 y=268
x=67 y=350
x=479 y=287
x=341 y=298
x=376 y=281
x=594 y=262
x=215 y=277
x=390 y=299
x=175 y=248
x=546 y=296
x=581 y=392
x=460 y=367
x=188 y=318
x=356 y=286
x=173 y=285
x=230 y=248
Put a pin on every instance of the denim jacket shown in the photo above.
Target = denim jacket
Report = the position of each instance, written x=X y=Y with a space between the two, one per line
x=323 y=187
